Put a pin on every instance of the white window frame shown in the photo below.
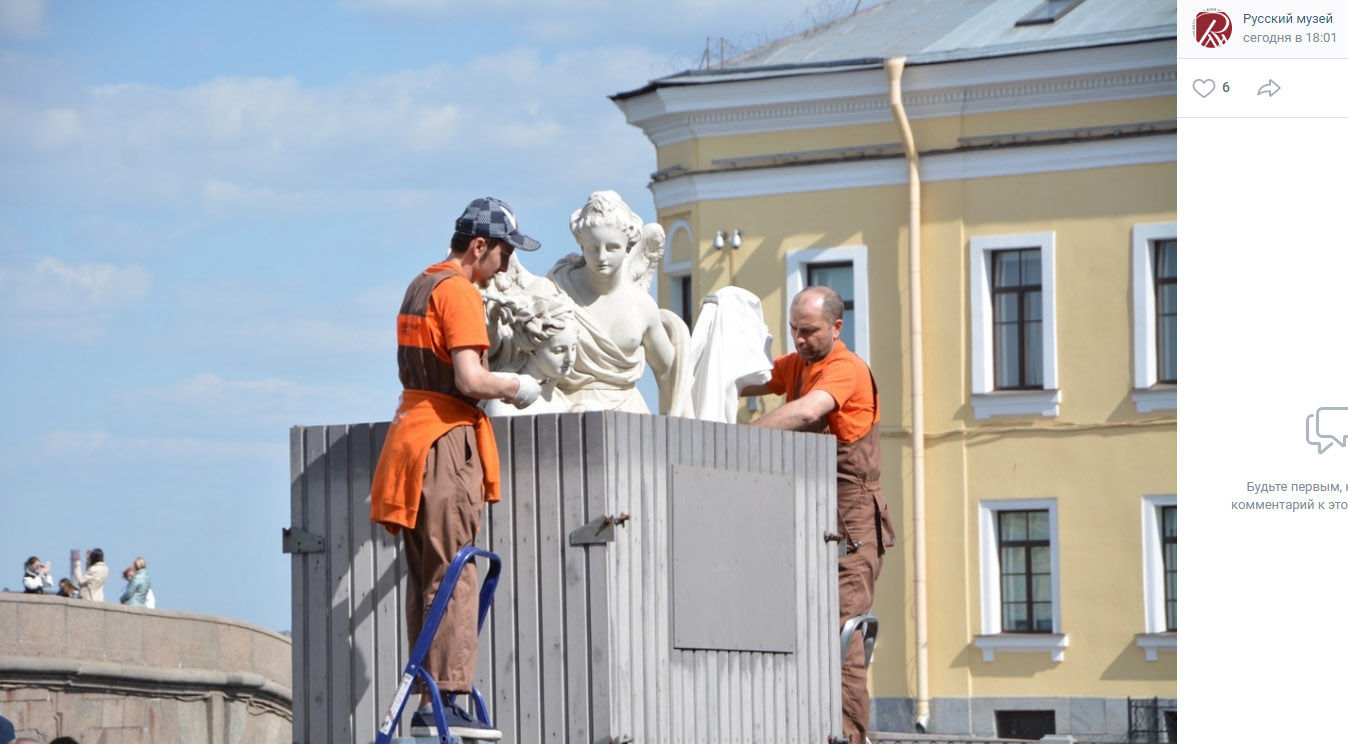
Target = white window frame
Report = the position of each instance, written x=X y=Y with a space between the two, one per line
x=675 y=271
x=1155 y=637
x=1147 y=394
x=797 y=273
x=992 y=639
x=987 y=400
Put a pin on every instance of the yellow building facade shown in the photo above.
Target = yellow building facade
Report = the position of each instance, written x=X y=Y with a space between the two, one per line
x=1046 y=285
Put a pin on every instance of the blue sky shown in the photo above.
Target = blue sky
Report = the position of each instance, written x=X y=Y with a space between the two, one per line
x=209 y=212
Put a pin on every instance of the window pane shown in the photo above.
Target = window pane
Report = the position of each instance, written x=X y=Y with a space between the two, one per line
x=1043 y=617
x=1165 y=259
x=1170 y=584
x=1014 y=618
x=1038 y=525
x=1170 y=619
x=1013 y=589
x=1013 y=561
x=1041 y=559
x=837 y=276
x=1168 y=521
x=1029 y=268
x=1034 y=305
x=686 y=300
x=1006 y=356
x=1034 y=354
x=1012 y=525
x=1165 y=299
x=1166 y=344
x=1043 y=588
x=1006 y=269
x=1006 y=307
x=1170 y=554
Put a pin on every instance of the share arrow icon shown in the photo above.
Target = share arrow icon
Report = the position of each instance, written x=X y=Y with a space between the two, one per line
x=1271 y=88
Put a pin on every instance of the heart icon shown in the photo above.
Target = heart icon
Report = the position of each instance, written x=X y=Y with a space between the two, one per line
x=1204 y=87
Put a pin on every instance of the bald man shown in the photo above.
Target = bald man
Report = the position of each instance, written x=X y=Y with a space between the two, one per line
x=828 y=388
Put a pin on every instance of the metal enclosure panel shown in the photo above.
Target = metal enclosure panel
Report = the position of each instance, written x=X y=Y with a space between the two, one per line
x=734 y=560
x=584 y=634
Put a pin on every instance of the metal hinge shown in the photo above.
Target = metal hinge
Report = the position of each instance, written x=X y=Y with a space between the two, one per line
x=298 y=540
x=835 y=537
x=597 y=531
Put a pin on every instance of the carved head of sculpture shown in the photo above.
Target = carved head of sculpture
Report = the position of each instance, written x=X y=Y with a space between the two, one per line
x=534 y=334
x=606 y=229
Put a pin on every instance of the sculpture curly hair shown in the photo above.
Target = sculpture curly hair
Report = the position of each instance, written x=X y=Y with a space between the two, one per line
x=607 y=209
x=524 y=324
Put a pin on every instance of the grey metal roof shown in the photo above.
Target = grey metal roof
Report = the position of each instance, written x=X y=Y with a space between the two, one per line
x=929 y=31
x=957 y=29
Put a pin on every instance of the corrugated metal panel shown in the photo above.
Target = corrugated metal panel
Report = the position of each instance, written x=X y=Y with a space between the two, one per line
x=347 y=602
x=688 y=696
x=578 y=644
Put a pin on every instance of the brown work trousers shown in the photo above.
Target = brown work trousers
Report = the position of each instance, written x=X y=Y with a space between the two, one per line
x=860 y=517
x=451 y=509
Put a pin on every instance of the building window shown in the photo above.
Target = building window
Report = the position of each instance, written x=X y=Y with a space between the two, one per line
x=1017 y=320
x=1018 y=551
x=1027 y=576
x=1168 y=554
x=837 y=275
x=845 y=270
x=1159 y=574
x=1025 y=724
x=1014 y=349
x=681 y=298
x=1164 y=253
x=1155 y=367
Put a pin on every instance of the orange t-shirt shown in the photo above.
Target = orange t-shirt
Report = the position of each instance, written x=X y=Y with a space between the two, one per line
x=454 y=319
x=842 y=375
x=458 y=299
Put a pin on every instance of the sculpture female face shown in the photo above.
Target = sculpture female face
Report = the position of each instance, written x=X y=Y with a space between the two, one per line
x=604 y=248
x=557 y=358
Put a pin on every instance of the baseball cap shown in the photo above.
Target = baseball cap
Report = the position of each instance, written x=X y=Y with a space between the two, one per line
x=492 y=218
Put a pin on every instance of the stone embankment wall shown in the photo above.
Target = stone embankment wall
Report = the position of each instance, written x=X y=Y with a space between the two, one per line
x=107 y=674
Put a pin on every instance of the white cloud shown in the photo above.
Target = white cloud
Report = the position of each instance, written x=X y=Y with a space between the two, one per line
x=76 y=300
x=22 y=18
x=236 y=145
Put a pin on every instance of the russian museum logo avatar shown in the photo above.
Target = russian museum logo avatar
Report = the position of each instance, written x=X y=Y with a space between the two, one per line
x=1212 y=28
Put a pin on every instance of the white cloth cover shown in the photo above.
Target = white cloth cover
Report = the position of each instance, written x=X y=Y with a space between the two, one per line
x=731 y=349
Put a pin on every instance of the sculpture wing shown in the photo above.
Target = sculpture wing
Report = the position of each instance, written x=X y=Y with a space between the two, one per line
x=676 y=399
x=646 y=255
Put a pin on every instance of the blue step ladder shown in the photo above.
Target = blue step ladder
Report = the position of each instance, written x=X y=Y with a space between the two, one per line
x=413 y=670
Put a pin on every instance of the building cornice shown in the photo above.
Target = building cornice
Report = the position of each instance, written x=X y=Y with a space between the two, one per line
x=856 y=97
x=890 y=171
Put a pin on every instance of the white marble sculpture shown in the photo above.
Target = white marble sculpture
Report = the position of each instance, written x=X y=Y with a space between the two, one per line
x=619 y=327
x=532 y=335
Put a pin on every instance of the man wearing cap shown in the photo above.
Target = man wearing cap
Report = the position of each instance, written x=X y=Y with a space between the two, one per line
x=439 y=462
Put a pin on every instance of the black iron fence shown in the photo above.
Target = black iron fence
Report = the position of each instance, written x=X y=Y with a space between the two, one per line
x=1151 y=721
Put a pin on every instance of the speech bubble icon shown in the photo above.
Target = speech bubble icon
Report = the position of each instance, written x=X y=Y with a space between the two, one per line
x=1331 y=423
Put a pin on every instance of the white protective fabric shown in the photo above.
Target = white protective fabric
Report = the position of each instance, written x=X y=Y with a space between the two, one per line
x=731 y=349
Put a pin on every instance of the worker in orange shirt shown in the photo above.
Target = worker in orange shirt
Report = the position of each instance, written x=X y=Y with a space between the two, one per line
x=439 y=463
x=828 y=388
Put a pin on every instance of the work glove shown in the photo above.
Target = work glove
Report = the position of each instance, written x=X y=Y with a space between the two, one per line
x=529 y=390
